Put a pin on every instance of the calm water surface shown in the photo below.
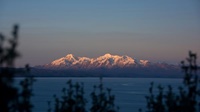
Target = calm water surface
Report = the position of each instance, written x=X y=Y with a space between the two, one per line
x=130 y=92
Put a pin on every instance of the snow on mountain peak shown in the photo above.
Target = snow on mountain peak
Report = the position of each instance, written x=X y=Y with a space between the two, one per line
x=70 y=56
x=107 y=55
x=106 y=60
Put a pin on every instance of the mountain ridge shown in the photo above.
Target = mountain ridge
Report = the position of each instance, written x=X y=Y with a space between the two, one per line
x=106 y=65
x=107 y=60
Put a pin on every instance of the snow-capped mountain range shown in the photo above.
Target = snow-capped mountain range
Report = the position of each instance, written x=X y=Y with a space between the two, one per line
x=107 y=65
x=105 y=61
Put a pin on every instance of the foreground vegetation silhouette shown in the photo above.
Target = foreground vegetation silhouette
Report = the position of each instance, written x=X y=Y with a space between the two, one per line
x=73 y=99
x=12 y=98
x=188 y=98
x=18 y=99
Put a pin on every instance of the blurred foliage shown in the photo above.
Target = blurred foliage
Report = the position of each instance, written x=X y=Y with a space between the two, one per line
x=188 y=98
x=103 y=100
x=11 y=98
x=73 y=100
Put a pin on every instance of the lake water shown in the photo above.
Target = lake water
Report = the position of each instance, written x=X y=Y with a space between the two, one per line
x=129 y=92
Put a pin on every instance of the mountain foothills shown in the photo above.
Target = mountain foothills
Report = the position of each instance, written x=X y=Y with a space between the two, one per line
x=107 y=65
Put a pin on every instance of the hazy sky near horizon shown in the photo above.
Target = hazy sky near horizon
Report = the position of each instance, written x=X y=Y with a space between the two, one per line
x=157 y=30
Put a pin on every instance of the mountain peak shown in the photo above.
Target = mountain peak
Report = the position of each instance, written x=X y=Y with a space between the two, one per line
x=69 y=56
x=107 y=55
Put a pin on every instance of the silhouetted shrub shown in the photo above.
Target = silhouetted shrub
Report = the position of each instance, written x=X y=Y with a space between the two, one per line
x=24 y=97
x=188 y=98
x=103 y=100
x=72 y=99
x=11 y=99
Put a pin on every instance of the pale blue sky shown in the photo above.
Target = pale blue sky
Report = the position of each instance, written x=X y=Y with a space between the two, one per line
x=157 y=30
